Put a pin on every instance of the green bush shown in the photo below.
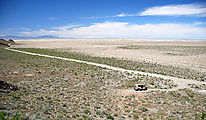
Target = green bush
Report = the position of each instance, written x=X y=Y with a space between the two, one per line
x=135 y=116
x=109 y=116
x=15 y=117
x=87 y=111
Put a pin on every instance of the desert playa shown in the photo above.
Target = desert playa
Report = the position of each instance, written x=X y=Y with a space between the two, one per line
x=181 y=53
x=94 y=79
x=103 y=60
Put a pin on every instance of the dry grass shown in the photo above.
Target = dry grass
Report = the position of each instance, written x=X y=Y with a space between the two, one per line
x=56 y=89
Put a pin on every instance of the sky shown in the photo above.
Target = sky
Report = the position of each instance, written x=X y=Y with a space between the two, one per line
x=172 y=19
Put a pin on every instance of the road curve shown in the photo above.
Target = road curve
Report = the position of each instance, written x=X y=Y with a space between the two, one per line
x=182 y=83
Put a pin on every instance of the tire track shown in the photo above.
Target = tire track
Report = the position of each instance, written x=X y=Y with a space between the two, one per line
x=182 y=83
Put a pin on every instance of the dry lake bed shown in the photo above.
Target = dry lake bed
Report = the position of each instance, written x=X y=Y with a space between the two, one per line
x=46 y=88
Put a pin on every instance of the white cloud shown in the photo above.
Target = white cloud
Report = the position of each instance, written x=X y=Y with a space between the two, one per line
x=121 y=15
x=200 y=23
x=177 y=10
x=25 y=29
x=198 y=10
x=114 y=16
x=124 y=15
x=65 y=27
x=96 y=17
x=52 y=18
x=202 y=15
x=126 y=30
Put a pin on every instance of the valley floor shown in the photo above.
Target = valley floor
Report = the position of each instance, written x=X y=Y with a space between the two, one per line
x=57 y=89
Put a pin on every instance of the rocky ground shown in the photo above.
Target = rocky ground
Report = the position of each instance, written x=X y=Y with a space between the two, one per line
x=56 y=89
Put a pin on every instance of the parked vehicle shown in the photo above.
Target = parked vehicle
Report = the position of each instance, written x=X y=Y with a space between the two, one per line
x=140 y=87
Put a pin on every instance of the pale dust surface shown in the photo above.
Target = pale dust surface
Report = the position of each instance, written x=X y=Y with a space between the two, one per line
x=110 y=48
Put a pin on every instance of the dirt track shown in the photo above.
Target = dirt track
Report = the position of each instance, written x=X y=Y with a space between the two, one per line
x=109 y=48
x=53 y=86
x=181 y=83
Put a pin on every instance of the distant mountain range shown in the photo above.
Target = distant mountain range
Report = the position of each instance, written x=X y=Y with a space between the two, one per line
x=7 y=37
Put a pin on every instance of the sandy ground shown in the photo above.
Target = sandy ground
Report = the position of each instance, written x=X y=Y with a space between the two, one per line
x=109 y=48
x=181 y=83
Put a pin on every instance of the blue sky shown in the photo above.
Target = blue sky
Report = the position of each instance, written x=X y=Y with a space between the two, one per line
x=184 y=19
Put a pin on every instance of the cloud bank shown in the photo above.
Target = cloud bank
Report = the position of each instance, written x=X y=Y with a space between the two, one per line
x=125 y=30
x=177 y=10
x=197 y=10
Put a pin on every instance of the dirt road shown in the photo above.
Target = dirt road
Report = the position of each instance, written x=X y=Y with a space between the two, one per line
x=181 y=83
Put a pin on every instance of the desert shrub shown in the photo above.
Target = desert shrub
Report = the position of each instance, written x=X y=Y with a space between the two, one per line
x=135 y=116
x=109 y=116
